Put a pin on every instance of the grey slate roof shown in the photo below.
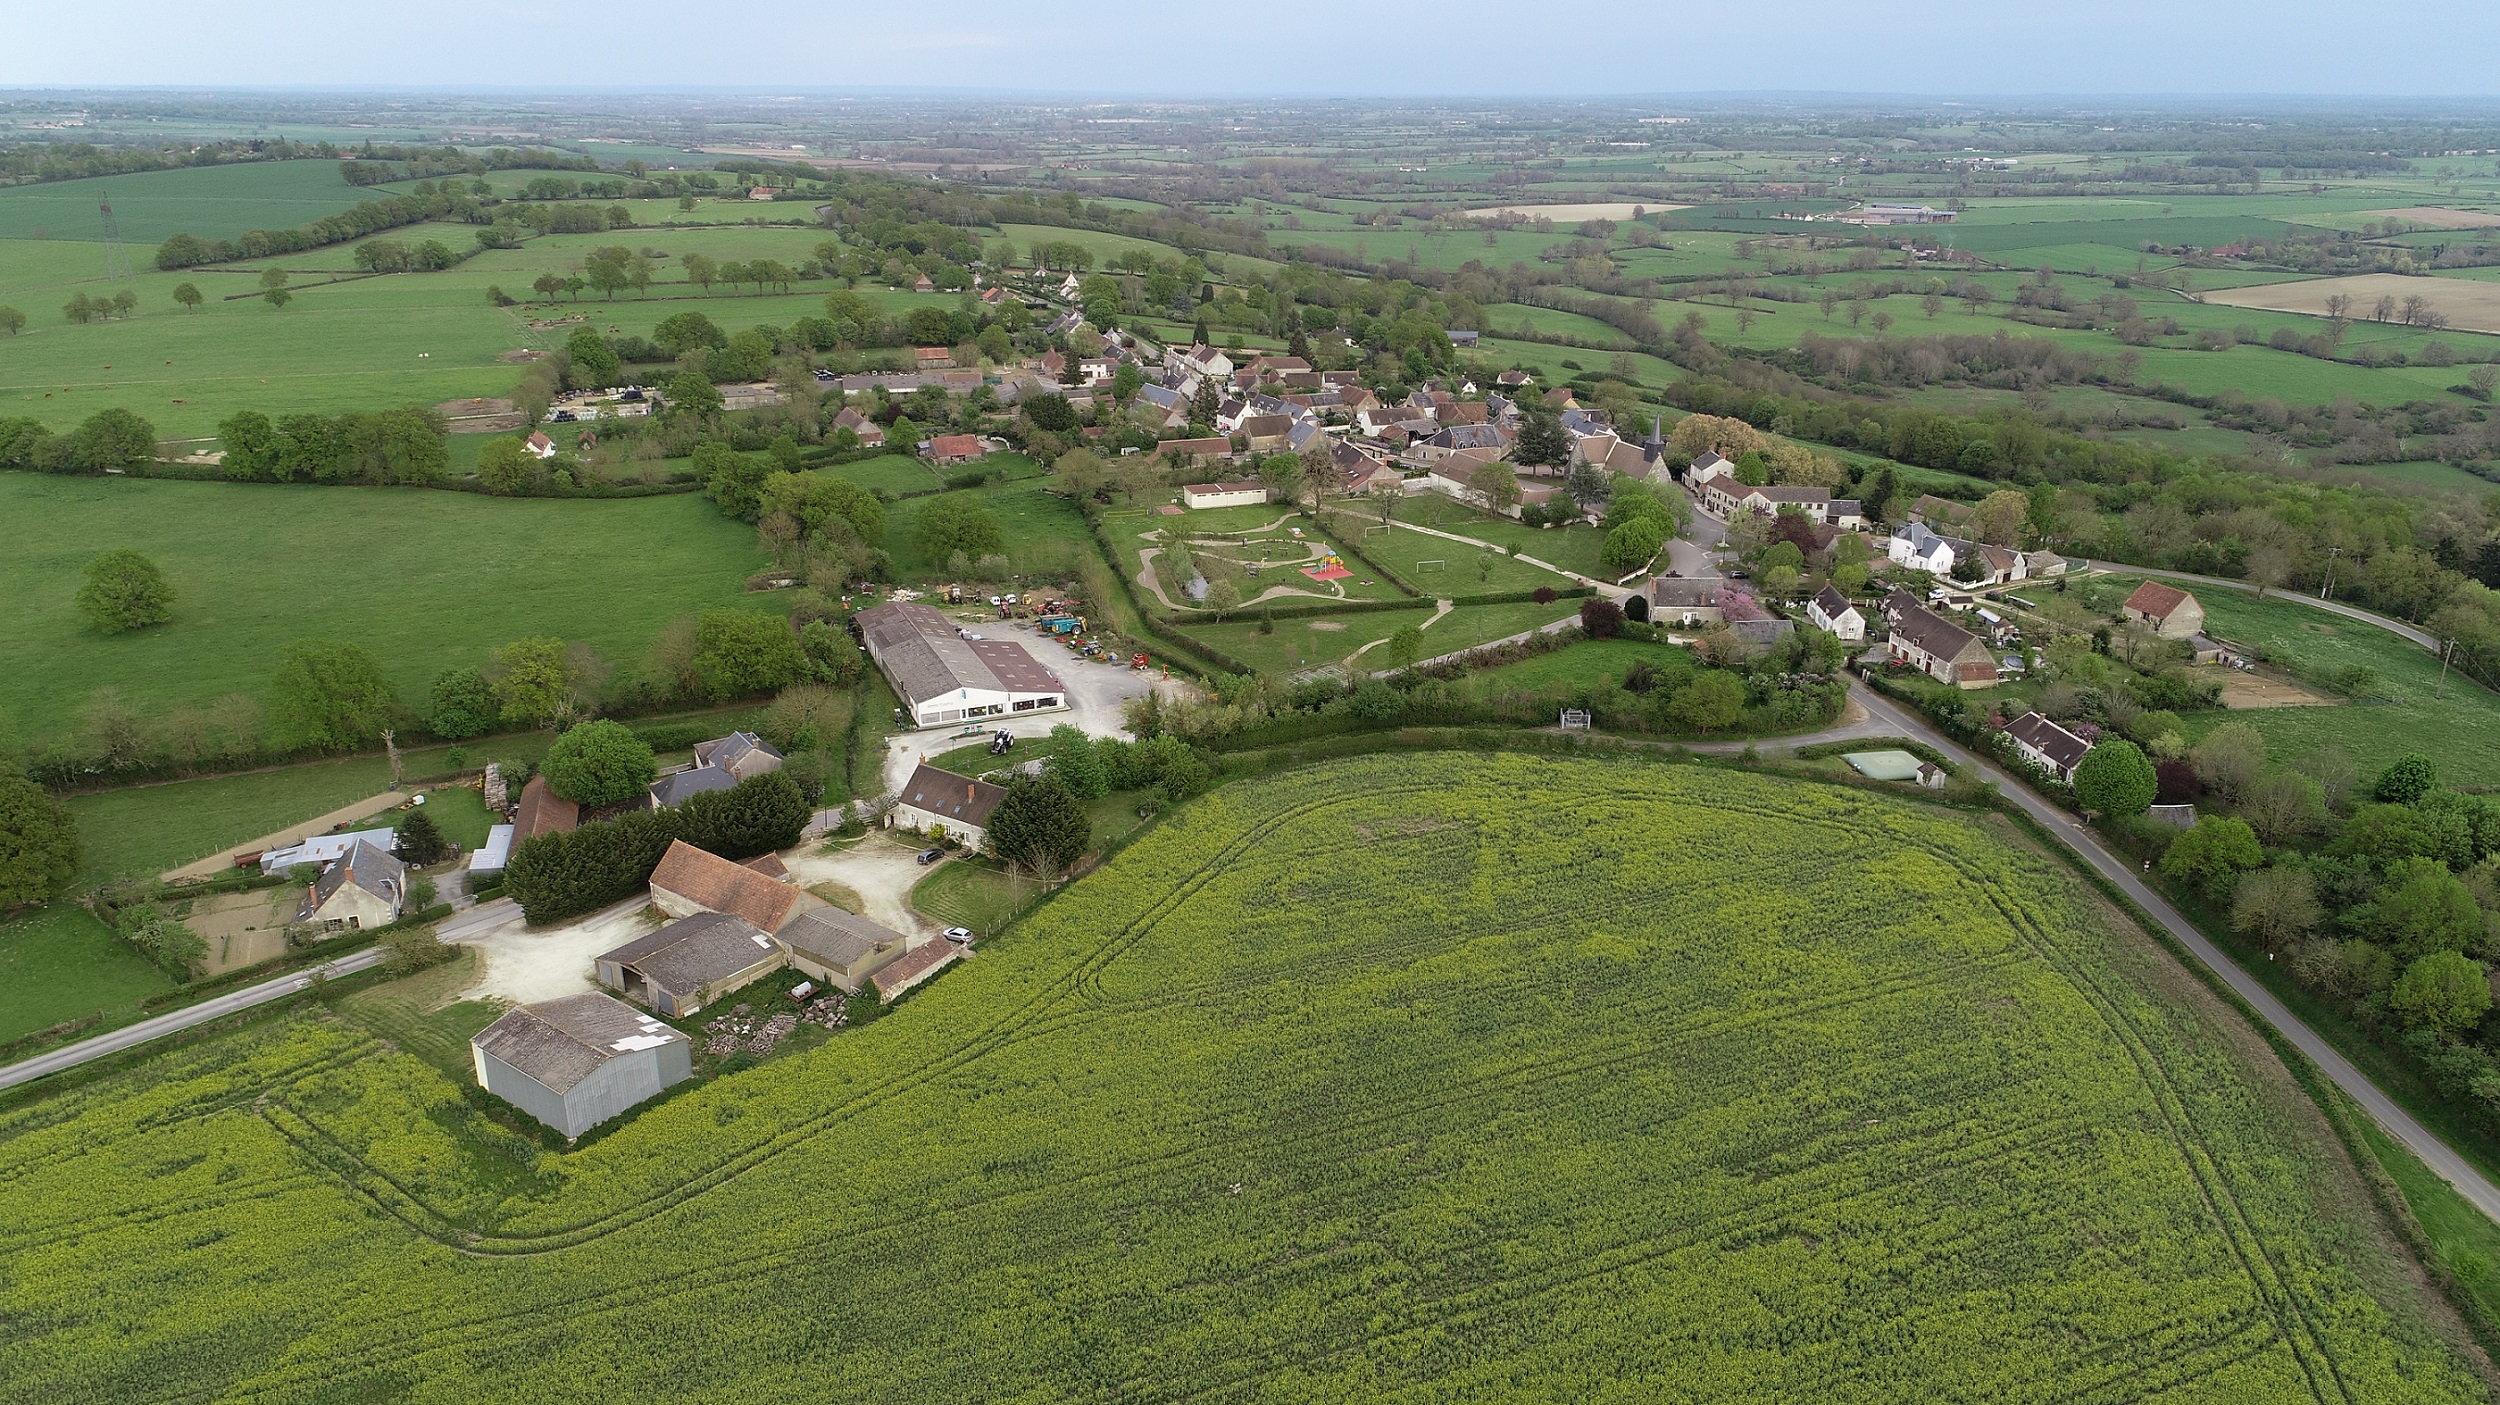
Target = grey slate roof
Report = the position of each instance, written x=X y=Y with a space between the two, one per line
x=1934 y=633
x=674 y=788
x=561 y=1042
x=367 y=865
x=2063 y=748
x=731 y=749
x=958 y=798
x=834 y=937
x=1832 y=603
x=690 y=952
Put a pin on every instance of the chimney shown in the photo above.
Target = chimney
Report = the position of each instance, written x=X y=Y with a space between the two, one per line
x=969 y=788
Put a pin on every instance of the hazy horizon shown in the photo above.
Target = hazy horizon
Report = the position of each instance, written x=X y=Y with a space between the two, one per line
x=1388 y=49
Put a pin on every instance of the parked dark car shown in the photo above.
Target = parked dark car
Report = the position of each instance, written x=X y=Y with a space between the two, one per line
x=930 y=856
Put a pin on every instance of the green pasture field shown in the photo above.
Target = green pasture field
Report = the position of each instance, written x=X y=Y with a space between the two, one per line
x=366 y=343
x=1105 y=247
x=213 y=202
x=895 y=474
x=59 y=964
x=1295 y=644
x=424 y=579
x=1584 y=664
x=1925 y=1095
x=1509 y=317
x=2459 y=728
x=1045 y=534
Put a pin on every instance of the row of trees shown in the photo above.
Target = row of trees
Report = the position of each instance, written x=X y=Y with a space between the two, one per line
x=403 y=446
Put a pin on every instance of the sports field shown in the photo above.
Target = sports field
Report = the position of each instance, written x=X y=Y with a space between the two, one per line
x=1539 y=1099
x=424 y=579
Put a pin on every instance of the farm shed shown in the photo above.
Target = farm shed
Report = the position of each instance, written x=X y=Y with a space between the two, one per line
x=914 y=968
x=576 y=1062
x=490 y=858
x=1248 y=492
x=690 y=881
x=689 y=963
x=943 y=677
x=840 y=948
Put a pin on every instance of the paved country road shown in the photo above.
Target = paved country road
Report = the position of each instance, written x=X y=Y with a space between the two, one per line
x=216 y=1007
x=2436 y=1154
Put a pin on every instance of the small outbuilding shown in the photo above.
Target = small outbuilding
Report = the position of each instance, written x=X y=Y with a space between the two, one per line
x=576 y=1062
x=840 y=948
x=690 y=963
x=365 y=887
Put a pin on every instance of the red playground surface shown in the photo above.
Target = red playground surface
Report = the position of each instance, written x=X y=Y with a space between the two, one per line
x=1329 y=572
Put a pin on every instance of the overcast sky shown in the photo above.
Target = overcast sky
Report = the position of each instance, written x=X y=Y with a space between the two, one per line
x=1284 y=47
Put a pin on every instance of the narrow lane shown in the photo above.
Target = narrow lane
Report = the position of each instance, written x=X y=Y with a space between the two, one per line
x=190 y=1016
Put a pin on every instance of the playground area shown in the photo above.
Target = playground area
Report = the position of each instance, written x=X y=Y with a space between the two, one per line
x=1253 y=564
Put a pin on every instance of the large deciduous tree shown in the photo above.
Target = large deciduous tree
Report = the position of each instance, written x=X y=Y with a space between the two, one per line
x=38 y=842
x=328 y=696
x=599 y=763
x=125 y=591
x=2115 y=779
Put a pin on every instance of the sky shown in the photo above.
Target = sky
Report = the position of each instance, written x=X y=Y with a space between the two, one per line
x=1353 y=48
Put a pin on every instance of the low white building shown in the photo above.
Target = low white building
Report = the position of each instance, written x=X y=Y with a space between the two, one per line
x=489 y=859
x=1249 y=492
x=945 y=676
x=322 y=849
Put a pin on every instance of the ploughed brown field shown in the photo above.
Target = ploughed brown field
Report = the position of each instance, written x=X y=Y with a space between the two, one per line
x=2471 y=306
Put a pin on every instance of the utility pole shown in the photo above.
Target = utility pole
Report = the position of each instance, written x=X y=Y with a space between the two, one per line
x=2331 y=553
x=2447 y=650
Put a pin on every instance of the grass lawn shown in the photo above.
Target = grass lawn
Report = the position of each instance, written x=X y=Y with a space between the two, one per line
x=894 y=474
x=1572 y=548
x=1584 y=664
x=1045 y=534
x=425 y=580
x=59 y=963
x=2459 y=729
x=964 y=893
x=418 y=1014
x=1462 y=569
x=1296 y=644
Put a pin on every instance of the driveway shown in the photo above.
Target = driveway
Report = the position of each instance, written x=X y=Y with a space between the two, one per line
x=519 y=965
x=877 y=868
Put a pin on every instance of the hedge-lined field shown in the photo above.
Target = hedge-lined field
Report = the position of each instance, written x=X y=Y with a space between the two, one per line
x=1421 y=1077
x=425 y=580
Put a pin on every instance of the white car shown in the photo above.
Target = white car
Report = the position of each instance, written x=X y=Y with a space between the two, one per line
x=958 y=935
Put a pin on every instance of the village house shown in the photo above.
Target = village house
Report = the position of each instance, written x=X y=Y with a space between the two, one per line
x=1936 y=646
x=742 y=754
x=575 y=1062
x=1836 y=613
x=871 y=434
x=1919 y=549
x=2166 y=610
x=540 y=445
x=2048 y=746
x=1267 y=434
x=941 y=803
x=1247 y=492
x=690 y=962
x=365 y=887
x=932 y=358
x=1680 y=603
x=1195 y=451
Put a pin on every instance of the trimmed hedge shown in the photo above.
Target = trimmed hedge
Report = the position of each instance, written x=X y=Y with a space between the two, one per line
x=1294 y=611
x=1523 y=597
x=555 y=876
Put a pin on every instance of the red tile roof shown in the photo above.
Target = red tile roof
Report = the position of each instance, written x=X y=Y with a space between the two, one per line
x=2155 y=600
x=717 y=885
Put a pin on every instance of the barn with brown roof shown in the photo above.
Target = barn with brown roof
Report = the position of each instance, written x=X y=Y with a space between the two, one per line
x=2166 y=610
x=689 y=881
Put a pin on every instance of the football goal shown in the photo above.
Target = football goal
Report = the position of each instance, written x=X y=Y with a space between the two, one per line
x=1434 y=564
